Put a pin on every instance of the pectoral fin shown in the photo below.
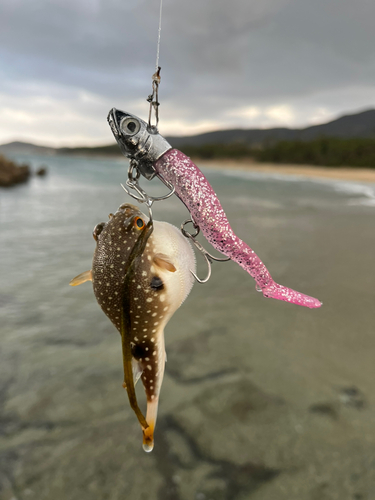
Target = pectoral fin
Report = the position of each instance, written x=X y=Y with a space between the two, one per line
x=81 y=278
x=164 y=262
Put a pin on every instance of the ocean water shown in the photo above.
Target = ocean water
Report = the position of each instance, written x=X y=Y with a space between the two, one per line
x=261 y=399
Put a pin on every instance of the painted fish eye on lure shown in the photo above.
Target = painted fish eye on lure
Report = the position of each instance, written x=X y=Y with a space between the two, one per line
x=130 y=126
x=141 y=274
x=144 y=143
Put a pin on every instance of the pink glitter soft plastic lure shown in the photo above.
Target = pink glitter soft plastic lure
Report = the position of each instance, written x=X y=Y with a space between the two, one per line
x=155 y=156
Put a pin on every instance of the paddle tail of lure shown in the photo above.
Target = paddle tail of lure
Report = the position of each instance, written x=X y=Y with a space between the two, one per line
x=155 y=156
x=196 y=193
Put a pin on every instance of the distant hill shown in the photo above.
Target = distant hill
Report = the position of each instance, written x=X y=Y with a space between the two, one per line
x=359 y=125
x=113 y=149
x=25 y=148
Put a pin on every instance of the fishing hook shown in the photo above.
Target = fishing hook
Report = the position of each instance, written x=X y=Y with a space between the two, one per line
x=209 y=258
x=132 y=183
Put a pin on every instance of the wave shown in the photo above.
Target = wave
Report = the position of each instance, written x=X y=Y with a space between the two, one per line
x=365 y=193
x=359 y=193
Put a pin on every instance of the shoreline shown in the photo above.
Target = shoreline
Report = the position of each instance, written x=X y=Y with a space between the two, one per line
x=358 y=174
x=337 y=173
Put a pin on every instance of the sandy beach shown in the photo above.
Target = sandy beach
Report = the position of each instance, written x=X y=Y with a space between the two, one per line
x=339 y=173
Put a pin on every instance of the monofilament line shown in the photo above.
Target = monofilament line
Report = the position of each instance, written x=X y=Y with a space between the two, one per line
x=159 y=32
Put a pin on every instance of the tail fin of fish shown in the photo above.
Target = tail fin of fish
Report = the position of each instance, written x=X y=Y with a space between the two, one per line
x=151 y=415
x=81 y=278
x=153 y=392
x=280 y=292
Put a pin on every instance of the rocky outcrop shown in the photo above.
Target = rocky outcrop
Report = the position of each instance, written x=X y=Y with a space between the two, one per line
x=11 y=173
x=42 y=171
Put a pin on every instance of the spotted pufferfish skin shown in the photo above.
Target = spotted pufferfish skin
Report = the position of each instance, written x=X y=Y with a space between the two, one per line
x=158 y=286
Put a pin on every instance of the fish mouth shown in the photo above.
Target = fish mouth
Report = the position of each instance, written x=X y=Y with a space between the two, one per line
x=114 y=119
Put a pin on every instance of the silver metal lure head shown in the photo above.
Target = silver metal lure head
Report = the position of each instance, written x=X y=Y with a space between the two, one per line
x=137 y=140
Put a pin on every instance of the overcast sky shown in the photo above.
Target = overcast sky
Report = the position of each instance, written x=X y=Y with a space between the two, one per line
x=232 y=63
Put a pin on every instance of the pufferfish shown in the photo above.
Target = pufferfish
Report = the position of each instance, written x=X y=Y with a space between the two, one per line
x=141 y=274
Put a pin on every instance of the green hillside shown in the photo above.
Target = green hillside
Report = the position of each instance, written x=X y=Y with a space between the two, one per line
x=331 y=152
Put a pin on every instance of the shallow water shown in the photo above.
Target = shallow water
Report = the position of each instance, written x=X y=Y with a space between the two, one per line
x=261 y=399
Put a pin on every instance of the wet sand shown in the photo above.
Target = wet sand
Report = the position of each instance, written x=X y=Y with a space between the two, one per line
x=339 y=173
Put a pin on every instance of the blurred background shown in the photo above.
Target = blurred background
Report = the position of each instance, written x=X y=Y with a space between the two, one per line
x=261 y=399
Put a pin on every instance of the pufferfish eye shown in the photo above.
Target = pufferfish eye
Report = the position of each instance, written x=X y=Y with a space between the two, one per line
x=130 y=126
x=139 y=223
x=97 y=230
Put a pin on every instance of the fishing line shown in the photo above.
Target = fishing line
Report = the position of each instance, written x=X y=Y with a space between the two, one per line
x=159 y=33
x=153 y=98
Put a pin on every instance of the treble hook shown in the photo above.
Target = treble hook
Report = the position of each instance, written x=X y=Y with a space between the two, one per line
x=145 y=199
x=132 y=182
x=209 y=258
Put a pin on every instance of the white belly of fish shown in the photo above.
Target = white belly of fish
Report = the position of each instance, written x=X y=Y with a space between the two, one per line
x=168 y=240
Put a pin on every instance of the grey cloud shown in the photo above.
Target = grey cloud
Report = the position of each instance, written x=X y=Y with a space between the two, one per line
x=216 y=54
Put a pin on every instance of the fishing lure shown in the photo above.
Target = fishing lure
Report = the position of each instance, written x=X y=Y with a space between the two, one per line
x=151 y=155
x=141 y=276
